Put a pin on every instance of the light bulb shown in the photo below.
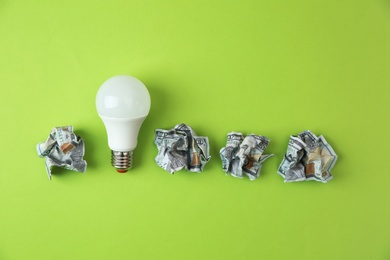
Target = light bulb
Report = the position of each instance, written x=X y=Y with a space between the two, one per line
x=122 y=102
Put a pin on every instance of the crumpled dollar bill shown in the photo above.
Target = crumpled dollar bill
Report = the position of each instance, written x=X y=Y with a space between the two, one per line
x=308 y=157
x=63 y=149
x=244 y=156
x=180 y=148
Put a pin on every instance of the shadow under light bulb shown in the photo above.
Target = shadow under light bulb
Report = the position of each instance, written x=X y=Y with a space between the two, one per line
x=122 y=102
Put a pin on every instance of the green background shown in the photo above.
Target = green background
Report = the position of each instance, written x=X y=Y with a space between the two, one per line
x=273 y=68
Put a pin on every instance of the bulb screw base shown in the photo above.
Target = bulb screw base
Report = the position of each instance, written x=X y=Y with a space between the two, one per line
x=122 y=161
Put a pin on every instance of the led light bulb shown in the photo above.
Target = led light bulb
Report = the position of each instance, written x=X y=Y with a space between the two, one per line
x=122 y=102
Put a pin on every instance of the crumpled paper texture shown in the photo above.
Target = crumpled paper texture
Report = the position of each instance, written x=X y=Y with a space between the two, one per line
x=244 y=156
x=63 y=149
x=180 y=148
x=308 y=157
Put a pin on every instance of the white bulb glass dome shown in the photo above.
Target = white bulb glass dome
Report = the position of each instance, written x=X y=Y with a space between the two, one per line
x=123 y=97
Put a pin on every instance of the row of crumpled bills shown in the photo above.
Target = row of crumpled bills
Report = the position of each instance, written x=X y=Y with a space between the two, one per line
x=308 y=157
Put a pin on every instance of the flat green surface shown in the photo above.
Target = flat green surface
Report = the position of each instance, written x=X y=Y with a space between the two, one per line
x=267 y=67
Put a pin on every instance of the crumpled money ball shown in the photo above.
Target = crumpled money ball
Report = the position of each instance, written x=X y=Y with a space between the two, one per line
x=63 y=149
x=308 y=157
x=244 y=156
x=180 y=148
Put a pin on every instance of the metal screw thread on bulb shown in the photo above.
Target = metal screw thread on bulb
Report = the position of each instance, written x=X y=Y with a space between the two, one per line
x=122 y=161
